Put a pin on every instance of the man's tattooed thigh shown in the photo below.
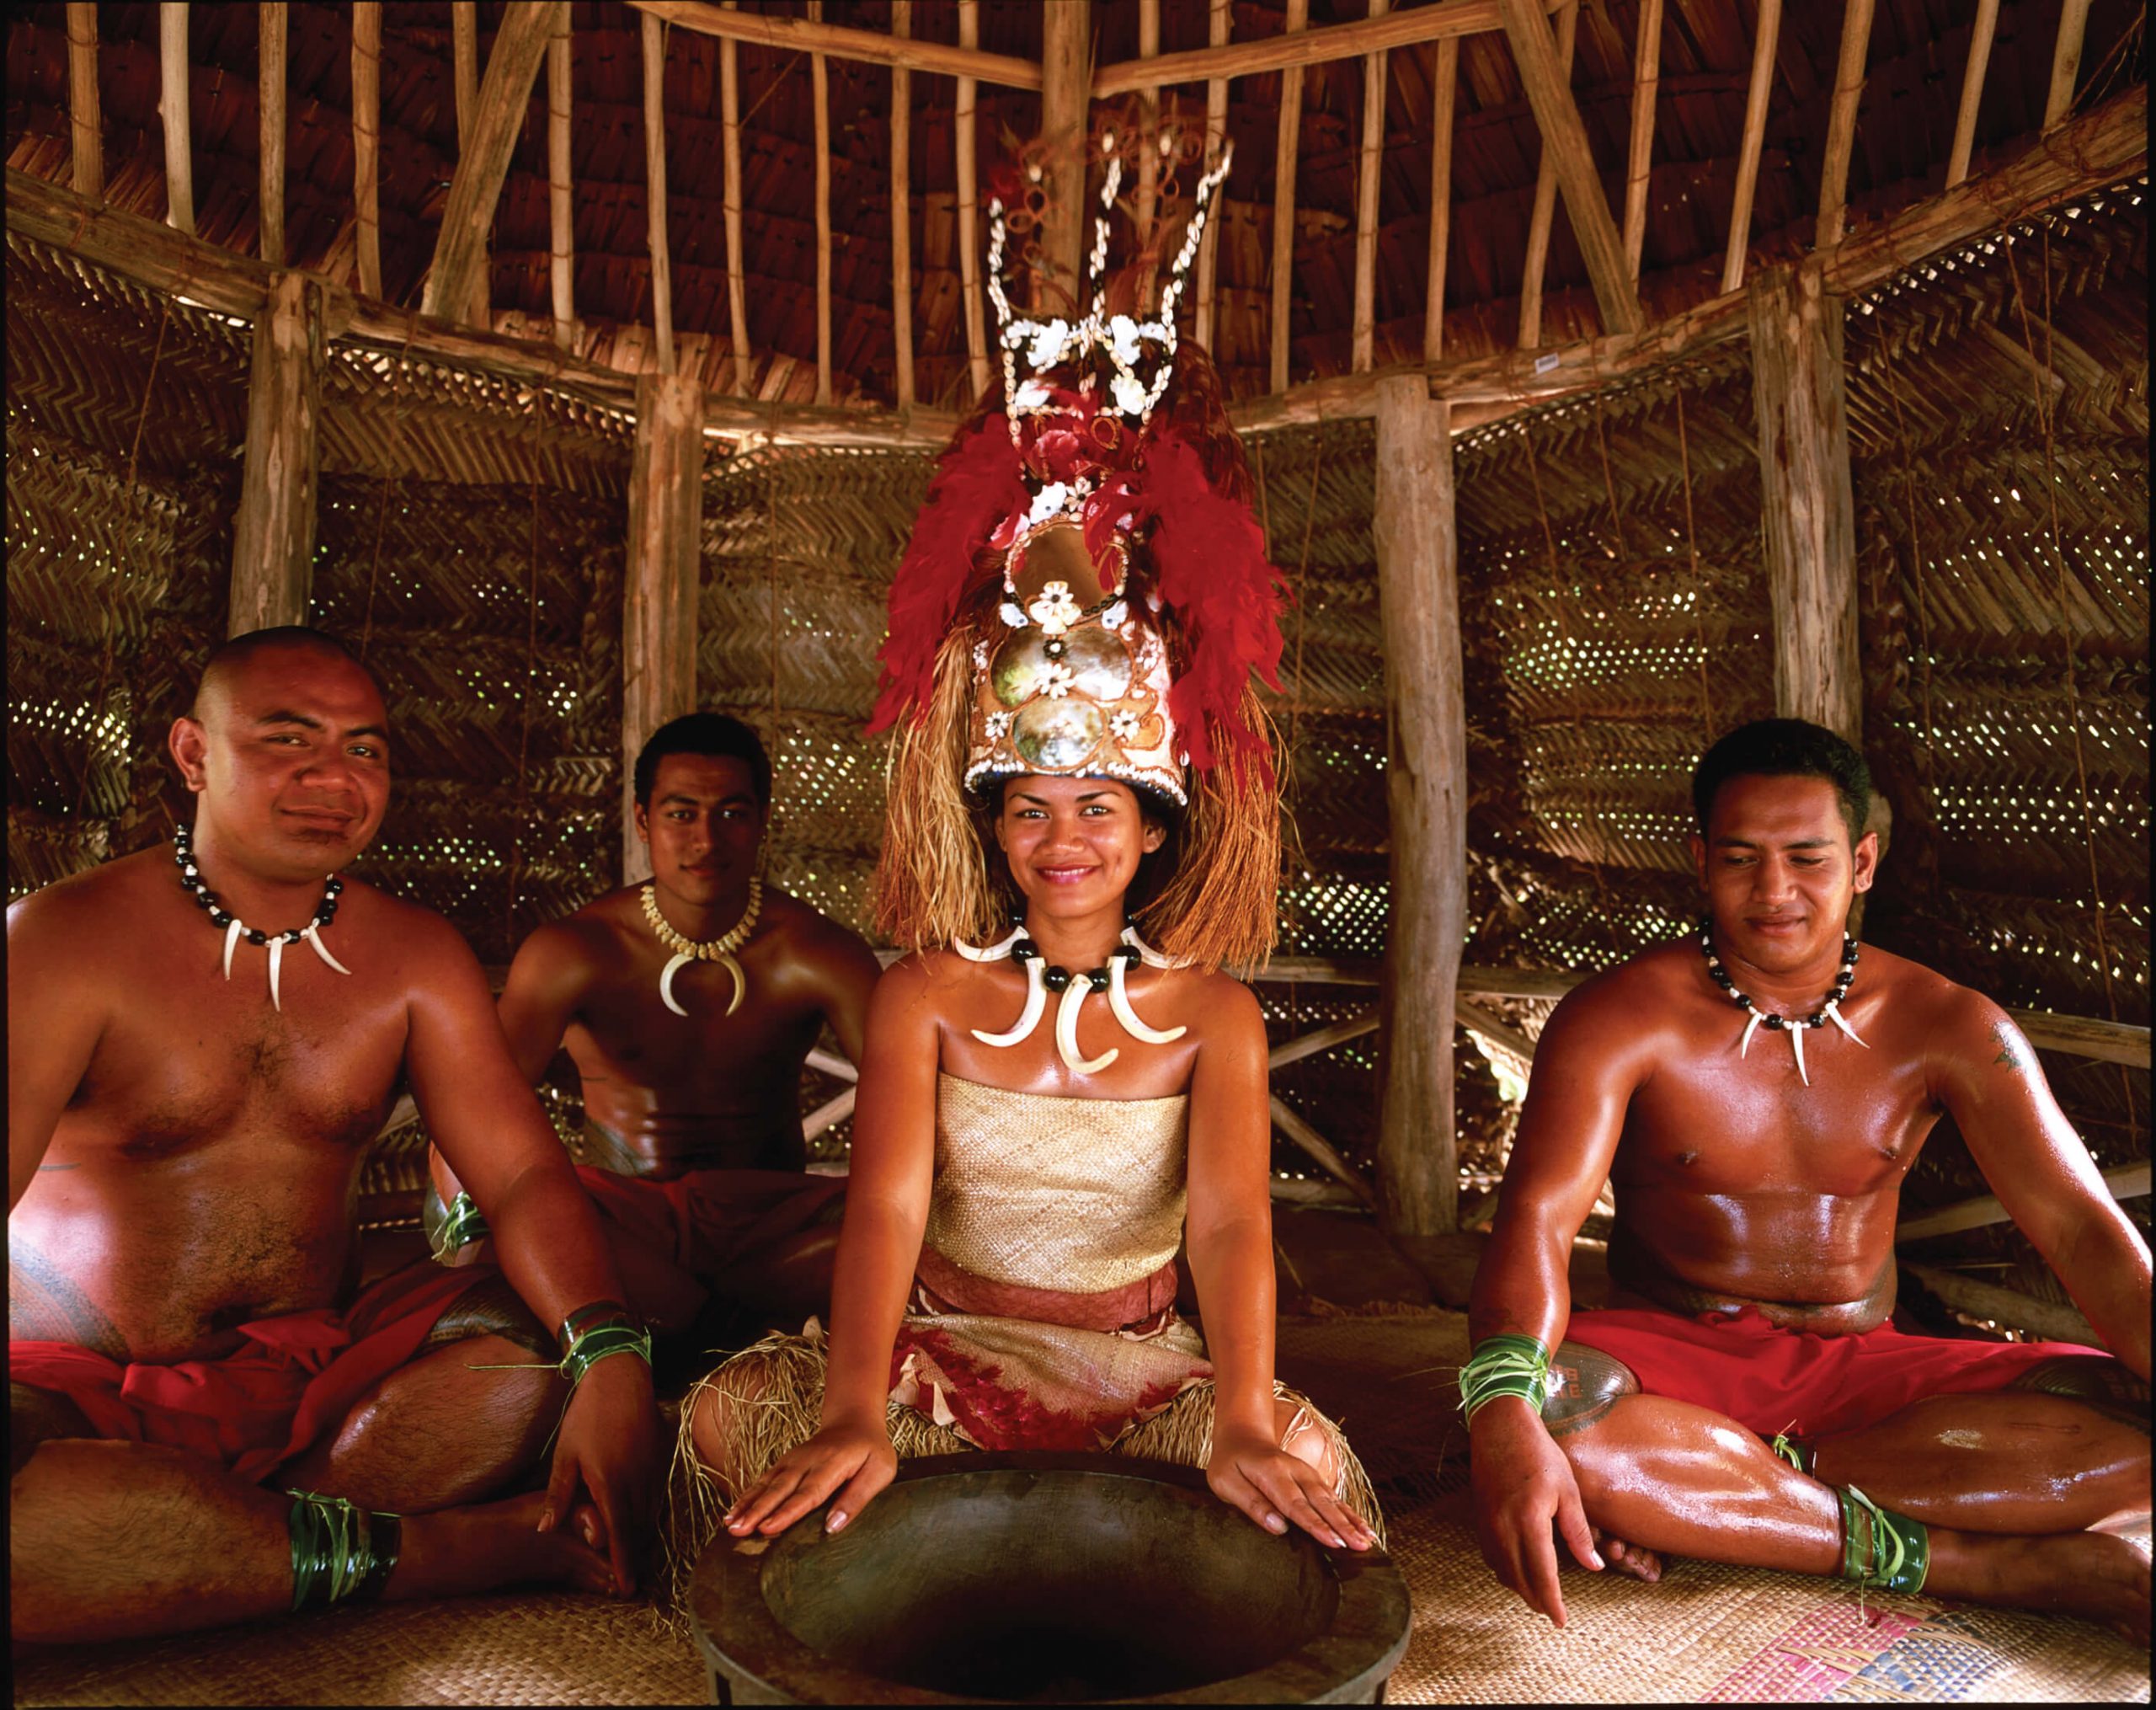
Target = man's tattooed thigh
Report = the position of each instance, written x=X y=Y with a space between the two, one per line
x=1586 y=1384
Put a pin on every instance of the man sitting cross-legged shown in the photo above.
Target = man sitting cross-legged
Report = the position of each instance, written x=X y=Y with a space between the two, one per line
x=691 y=1063
x=1756 y=1097
x=208 y=1420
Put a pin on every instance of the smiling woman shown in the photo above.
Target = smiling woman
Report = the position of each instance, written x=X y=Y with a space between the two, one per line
x=1082 y=804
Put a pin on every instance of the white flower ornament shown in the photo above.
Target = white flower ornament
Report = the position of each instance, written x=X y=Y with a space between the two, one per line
x=1055 y=609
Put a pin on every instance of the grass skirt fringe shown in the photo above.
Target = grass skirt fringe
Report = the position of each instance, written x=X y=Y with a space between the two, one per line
x=773 y=1395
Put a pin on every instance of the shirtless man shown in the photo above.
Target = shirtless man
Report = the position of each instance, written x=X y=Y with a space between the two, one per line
x=204 y=1409
x=691 y=1081
x=1746 y=1386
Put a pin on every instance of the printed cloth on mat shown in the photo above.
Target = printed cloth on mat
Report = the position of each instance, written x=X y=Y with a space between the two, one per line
x=1769 y=1378
x=293 y=1377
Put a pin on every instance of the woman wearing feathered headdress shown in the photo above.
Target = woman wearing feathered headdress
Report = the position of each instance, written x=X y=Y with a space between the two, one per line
x=1082 y=830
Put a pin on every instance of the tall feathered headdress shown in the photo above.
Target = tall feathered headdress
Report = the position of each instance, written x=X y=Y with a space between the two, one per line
x=1086 y=593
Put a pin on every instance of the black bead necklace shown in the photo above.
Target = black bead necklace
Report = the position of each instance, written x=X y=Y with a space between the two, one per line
x=1057 y=979
x=1830 y=1010
x=234 y=928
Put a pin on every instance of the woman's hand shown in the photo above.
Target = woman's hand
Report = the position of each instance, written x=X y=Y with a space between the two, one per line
x=1250 y=1471
x=856 y=1460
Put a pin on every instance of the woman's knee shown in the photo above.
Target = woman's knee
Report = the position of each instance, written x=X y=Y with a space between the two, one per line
x=1302 y=1434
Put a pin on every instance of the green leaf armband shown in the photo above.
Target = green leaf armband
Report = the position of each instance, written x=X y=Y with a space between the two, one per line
x=339 y=1551
x=1502 y=1365
x=1882 y=1549
x=590 y=1334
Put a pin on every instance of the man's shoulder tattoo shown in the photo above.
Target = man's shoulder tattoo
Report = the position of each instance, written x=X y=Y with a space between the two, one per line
x=2015 y=1050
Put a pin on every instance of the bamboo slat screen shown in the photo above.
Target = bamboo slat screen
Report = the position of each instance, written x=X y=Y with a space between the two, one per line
x=1998 y=431
x=125 y=415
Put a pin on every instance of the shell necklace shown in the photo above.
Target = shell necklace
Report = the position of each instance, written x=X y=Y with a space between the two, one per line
x=235 y=928
x=1831 y=1010
x=687 y=950
x=1042 y=978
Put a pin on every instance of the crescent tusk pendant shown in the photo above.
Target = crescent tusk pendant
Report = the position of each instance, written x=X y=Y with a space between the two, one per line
x=666 y=982
x=740 y=980
x=1834 y=1015
x=313 y=936
x=1066 y=1031
x=276 y=962
x=1029 y=1017
x=1796 y=1044
x=1119 y=1002
x=1751 y=1027
x=994 y=952
x=232 y=937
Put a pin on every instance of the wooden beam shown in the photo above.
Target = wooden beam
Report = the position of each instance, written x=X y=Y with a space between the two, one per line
x=1283 y=198
x=270 y=77
x=367 y=142
x=2048 y=1320
x=272 y=533
x=902 y=206
x=654 y=179
x=1639 y=157
x=1807 y=511
x=85 y=114
x=1220 y=15
x=172 y=104
x=1426 y=794
x=1323 y=1038
x=1545 y=197
x=464 y=53
x=812 y=35
x=505 y=100
x=1973 y=89
x=737 y=284
x=1557 y=116
x=658 y=607
x=1755 y=136
x=1146 y=205
x=1322 y=1150
x=1492 y=1026
x=2126 y=1182
x=819 y=94
x=1447 y=21
x=1444 y=98
x=1841 y=123
x=1367 y=184
x=964 y=123
x=2066 y=62
x=1066 y=69
x=561 y=215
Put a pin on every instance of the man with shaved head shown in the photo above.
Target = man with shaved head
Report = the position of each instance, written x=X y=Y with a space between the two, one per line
x=209 y=1420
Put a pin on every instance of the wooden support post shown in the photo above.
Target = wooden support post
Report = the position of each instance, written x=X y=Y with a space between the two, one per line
x=504 y=102
x=1638 y=159
x=1973 y=89
x=1755 y=136
x=658 y=607
x=561 y=215
x=367 y=142
x=1066 y=75
x=1147 y=206
x=902 y=206
x=1445 y=95
x=1220 y=15
x=1841 y=123
x=1426 y=794
x=2051 y=1322
x=172 y=103
x=736 y=284
x=273 y=535
x=1808 y=516
x=654 y=179
x=2066 y=62
x=821 y=97
x=270 y=222
x=85 y=119
x=464 y=54
x=964 y=124
x=1363 y=339
x=1545 y=197
x=1284 y=199
x=1564 y=139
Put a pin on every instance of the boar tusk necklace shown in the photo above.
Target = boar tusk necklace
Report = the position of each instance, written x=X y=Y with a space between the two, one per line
x=719 y=949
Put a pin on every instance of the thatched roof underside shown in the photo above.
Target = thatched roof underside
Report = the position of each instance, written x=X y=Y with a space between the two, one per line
x=1905 y=125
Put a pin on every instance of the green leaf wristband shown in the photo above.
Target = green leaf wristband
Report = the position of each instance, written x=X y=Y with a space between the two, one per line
x=1502 y=1365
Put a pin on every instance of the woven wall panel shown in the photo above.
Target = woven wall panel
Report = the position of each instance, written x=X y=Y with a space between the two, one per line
x=124 y=420
x=491 y=614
